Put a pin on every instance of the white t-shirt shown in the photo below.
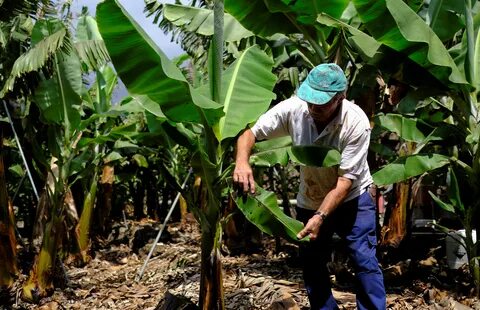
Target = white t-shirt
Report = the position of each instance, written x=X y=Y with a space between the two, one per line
x=348 y=132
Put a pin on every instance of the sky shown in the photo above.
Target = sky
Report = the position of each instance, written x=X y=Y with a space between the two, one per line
x=135 y=8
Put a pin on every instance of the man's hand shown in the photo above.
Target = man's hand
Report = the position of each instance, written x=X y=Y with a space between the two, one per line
x=243 y=177
x=243 y=174
x=312 y=228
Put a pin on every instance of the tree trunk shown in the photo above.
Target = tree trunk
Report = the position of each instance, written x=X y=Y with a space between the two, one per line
x=8 y=242
x=105 y=202
x=82 y=231
x=211 y=279
x=396 y=229
x=40 y=283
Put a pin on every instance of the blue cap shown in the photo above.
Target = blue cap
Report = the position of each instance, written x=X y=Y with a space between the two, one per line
x=322 y=83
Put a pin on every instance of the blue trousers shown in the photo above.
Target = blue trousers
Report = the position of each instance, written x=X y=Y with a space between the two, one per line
x=354 y=221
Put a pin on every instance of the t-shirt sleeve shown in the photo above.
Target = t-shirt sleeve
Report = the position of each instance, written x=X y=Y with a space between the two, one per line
x=354 y=155
x=273 y=123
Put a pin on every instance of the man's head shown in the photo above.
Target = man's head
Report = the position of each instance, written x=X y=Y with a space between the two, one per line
x=322 y=84
x=323 y=90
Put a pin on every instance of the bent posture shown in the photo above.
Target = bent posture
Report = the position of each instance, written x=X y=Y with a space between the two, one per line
x=330 y=199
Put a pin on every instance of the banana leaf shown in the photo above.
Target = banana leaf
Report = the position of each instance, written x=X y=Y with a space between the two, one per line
x=409 y=166
x=255 y=16
x=364 y=43
x=262 y=210
x=200 y=21
x=270 y=152
x=246 y=91
x=314 y=155
x=409 y=129
x=146 y=70
x=279 y=151
x=395 y=24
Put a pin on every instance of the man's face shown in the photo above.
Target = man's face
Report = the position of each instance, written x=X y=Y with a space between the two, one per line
x=324 y=112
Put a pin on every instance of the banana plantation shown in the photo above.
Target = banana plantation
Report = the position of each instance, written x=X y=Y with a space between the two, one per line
x=116 y=161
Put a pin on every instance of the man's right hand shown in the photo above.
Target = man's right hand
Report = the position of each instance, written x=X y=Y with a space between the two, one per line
x=243 y=174
x=243 y=177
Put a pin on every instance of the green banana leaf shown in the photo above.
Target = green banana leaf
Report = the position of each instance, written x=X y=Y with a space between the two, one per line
x=146 y=70
x=445 y=134
x=455 y=204
x=439 y=13
x=445 y=206
x=280 y=150
x=270 y=152
x=409 y=129
x=48 y=36
x=395 y=24
x=89 y=43
x=268 y=17
x=200 y=21
x=255 y=16
x=409 y=166
x=262 y=210
x=454 y=191
x=308 y=10
x=364 y=43
x=59 y=97
x=314 y=155
x=246 y=91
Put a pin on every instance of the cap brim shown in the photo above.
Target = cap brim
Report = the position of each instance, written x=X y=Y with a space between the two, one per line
x=308 y=94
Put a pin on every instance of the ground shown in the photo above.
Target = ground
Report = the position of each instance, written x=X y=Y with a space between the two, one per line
x=268 y=279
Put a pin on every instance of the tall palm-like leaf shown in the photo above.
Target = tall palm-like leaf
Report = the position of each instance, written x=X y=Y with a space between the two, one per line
x=140 y=73
x=395 y=24
x=200 y=20
x=249 y=71
x=194 y=44
x=35 y=58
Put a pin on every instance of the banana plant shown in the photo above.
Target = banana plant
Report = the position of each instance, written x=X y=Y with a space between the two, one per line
x=218 y=111
x=455 y=98
x=59 y=100
x=8 y=251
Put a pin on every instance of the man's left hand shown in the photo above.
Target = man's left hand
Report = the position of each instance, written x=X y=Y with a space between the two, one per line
x=311 y=229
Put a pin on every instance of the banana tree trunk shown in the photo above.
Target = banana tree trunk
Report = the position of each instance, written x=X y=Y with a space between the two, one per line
x=105 y=200
x=82 y=230
x=211 y=279
x=40 y=283
x=8 y=242
x=396 y=228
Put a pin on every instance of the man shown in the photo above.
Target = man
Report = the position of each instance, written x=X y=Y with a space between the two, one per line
x=330 y=199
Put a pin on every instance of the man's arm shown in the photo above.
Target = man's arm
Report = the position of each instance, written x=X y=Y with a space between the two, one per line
x=331 y=201
x=243 y=174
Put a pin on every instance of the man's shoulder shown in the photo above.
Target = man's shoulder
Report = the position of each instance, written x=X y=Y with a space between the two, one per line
x=354 y=114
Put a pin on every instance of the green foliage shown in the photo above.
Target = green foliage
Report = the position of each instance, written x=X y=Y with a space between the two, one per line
x=200 y=20
x=409 y=166
x=152 y=75
x=262 y=210
x=394 y=24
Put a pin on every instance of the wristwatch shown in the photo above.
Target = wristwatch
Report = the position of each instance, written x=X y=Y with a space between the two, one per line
x=322 y=215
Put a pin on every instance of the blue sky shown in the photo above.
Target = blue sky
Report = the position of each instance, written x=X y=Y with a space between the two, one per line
x=135 y=8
